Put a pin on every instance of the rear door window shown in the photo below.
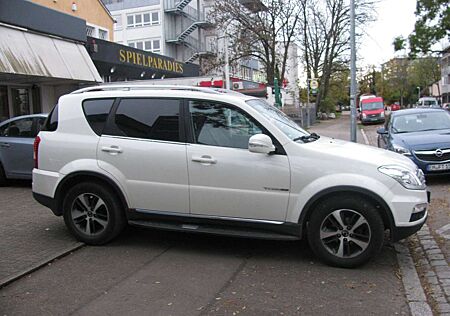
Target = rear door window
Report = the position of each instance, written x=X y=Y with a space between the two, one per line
x=148 y=118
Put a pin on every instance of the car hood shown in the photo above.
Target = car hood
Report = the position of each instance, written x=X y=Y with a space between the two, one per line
x=359 y=153
x=424 y=140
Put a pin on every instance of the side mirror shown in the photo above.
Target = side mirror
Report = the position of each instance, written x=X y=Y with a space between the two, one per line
x=382 y=131
x=260 y=143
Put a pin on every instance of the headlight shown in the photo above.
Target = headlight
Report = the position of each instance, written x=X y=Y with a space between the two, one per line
x=404 y=176
x=382 y=114
x=401 y=150
x=364 y=115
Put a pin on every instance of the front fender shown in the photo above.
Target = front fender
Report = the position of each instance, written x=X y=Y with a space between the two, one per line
x=332 y=182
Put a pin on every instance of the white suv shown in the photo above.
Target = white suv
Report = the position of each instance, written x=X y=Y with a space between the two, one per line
x=199 y=160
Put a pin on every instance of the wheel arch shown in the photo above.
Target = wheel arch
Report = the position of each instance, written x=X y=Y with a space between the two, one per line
x=379 y=203
x=80 y=176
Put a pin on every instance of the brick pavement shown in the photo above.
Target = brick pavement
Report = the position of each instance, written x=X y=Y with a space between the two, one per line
x=29 y=233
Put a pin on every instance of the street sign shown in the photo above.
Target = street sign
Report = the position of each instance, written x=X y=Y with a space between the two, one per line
x=314 y=84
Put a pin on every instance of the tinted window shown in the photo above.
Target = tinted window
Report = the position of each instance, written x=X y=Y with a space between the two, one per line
x=96 y=112
x=40 y=121
x=19 y=128
x=221 y=125
x=148 y=118
x=51 y=124
x=3 y=130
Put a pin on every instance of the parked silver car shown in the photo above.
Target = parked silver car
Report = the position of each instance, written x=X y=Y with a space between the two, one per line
x=16 y=146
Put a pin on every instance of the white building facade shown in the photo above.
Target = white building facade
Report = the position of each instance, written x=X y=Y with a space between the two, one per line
x=180 y=29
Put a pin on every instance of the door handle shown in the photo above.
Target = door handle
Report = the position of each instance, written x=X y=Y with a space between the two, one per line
x=5 y=145
x=112 y=149
x=204 y=159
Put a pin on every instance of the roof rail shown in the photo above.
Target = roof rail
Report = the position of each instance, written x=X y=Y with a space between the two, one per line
x=129 y=87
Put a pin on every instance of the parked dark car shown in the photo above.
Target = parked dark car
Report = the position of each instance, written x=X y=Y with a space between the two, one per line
x=423 y=135
x=16 y=146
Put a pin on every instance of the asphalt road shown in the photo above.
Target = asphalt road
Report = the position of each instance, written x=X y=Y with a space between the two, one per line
x=162 y=273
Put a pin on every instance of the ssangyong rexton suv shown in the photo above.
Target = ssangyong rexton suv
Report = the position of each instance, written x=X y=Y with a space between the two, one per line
x=198 y=160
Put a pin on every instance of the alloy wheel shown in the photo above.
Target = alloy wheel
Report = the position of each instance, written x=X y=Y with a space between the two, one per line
x=90 y=214
x=345 y=233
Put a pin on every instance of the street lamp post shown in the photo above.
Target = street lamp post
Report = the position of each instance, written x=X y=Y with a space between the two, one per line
x=353 y=72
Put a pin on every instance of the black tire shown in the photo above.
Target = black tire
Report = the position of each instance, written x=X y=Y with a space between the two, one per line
x=327 y=241
x=88 y=228
x=2 y=176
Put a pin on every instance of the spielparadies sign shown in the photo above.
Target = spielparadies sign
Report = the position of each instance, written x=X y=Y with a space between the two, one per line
x=140 y=59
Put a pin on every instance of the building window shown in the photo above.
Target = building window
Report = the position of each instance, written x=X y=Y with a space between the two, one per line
x=149 y=45
x=90 y=31
x=102 y=34
x=118 y=22
x=143 y=19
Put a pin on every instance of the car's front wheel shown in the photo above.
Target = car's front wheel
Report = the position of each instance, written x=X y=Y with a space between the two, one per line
x=345 y=231
x=93 y=213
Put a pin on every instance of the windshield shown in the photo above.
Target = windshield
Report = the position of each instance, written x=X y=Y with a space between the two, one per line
x=281 y=120
x=372 y=106
x=419 y=122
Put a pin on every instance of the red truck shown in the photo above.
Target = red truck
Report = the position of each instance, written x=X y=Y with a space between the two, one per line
x=371 y=109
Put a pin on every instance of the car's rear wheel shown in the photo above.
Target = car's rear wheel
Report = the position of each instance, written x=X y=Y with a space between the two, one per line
x=345 y=231
x=93 y=213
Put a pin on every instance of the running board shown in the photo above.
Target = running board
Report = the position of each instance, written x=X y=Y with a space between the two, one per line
x=213 y=229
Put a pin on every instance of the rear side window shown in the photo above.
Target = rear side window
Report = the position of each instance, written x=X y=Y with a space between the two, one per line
x=96 y=112
x=51 y=124
x=148 y=118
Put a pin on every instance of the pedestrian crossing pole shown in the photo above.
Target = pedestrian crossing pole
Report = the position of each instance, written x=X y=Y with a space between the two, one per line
x=353 y=73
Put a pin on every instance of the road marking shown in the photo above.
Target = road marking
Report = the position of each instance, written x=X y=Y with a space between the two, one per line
x=415 y=295
x=442 y=230
x=366 y=140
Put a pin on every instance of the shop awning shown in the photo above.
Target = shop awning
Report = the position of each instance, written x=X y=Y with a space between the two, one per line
x=43 y=57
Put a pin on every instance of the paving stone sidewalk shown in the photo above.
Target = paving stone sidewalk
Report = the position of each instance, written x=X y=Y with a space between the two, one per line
x=30 y=235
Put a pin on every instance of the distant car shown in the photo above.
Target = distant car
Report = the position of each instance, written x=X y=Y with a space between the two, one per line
x=395 y=107
x=427 y=102
x=16 y=146
x=371 y=110
x=423 y=135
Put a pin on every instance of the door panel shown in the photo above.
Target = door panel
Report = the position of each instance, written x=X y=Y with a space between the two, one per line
x=16 y=148
x=239 y=183
x=225 y=178
x=155 y=173
x=143 y=146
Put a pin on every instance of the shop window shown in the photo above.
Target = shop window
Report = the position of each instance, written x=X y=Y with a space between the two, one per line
x=21 y=101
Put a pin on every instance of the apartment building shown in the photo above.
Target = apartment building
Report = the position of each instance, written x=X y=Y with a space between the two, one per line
x=180 y=29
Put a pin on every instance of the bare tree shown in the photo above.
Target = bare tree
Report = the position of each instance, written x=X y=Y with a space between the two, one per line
x=325 y=37
x=265 y=35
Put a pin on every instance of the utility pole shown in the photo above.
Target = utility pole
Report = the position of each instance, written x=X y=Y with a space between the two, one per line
x=353 y=73
x=227 y=62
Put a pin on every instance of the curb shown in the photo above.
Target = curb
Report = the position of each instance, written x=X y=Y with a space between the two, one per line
x=9 y=279
x=415 y=294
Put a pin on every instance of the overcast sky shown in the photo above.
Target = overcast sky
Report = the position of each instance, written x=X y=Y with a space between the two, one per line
x=393 y=18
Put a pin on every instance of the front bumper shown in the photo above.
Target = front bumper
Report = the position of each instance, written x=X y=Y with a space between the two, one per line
x=399 y=233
